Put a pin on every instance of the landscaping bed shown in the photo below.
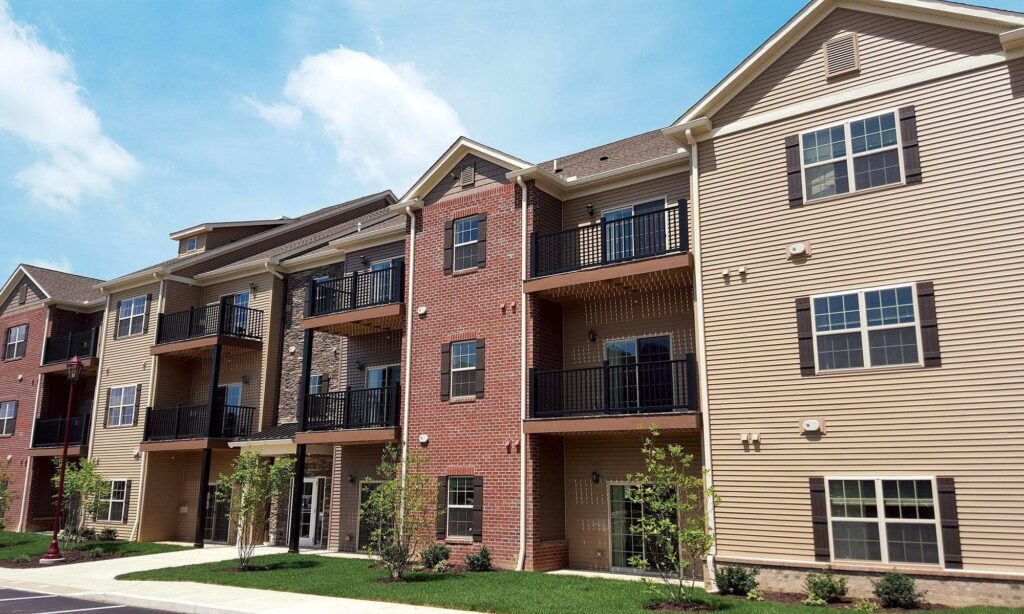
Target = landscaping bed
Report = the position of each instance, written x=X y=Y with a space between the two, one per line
x=498 y=591
x=25 y=549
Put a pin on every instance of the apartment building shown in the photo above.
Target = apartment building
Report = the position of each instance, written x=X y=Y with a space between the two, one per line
x=47 y=317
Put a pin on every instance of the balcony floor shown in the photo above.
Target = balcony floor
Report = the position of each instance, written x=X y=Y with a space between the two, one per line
x=78 y=450
x=363 y=321
x=88 y=366
x=624 y=279
x=349 y=436
x=178 y=445
x=202 y=344
x=672 y=421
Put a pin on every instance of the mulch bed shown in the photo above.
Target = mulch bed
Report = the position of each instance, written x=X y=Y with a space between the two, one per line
x=70 y=557
x=678 y=607
x=843 y=604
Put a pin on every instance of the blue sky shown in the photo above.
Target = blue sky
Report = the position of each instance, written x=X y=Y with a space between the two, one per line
x=121 y=121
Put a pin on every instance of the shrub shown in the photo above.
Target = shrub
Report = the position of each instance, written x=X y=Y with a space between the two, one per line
x=825 y=586
x=94 y=553
x=867 y=606
x=755 y=595
x=88 y=535
x=479 y=561
x=434 y=555
x=896 y=590
x=108 y=535
x=736 y=580
x=814 y=602
x=23 y=559
x=441 y=567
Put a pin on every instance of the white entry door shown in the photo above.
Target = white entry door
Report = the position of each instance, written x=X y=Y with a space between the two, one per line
x=311 y=512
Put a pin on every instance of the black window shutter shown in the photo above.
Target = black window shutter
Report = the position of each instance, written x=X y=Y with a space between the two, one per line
x=127 y=498
x=819 y=520
x=442 y=507
x=23 y=294
x=796 y=188
x=481 y=353
x=446 y=371
x=950 y=523
x=325 y=384
x=448 y=242
x=481 y=240
x=908 y=136
x=117 y=320
x=805 y=335
x=478 y=508
x=929 y=324
x=145 y=318
x=106 y=421
x=138 y=401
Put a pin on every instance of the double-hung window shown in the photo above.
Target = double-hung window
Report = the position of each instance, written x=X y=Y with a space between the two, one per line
x=463 y=368
x=460 y=507
x=121 y=410
x=131 y=317
x=191 y=244
x=16 y=340
x=316 y=384
x=855 y=155
x=879 y=327
x=112 y=508
x=8 y=417
x=465 y=241
x=891 y=520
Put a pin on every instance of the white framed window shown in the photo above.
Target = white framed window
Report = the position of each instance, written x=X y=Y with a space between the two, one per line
x=460 y=506
x=859 y=329
x=852 y=156
x=8 y=417
x=131 y=317
x=465 y=239
x=463 y=368
x=191 y=244
x=889 y=520
x=316 y=384
x=16 y=342
x=113 y=507
x=121 y=409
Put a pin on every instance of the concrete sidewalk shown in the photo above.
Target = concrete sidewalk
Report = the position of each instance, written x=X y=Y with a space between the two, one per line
x=96 y=581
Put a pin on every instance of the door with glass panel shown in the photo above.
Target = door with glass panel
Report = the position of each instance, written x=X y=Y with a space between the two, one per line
x=636 y=231
x=380 y=383
x=311 y=515
x=235 y=312
x=218 y=516
x=627 y=539
x=640 y=373
x=384 y=280
x=228 y=401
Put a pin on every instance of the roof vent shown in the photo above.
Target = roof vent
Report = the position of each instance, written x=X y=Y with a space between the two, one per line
x=841 y=55
x=468 y=175
x=603 y=158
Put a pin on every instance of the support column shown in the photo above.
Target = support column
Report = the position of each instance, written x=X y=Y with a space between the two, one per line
x=295 y=512
x=213 y=427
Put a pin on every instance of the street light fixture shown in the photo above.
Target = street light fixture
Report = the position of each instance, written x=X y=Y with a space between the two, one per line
x=74 y=371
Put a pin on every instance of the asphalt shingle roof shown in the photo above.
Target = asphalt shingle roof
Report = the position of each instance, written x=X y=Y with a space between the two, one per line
x=611 y=156
x=65 y=286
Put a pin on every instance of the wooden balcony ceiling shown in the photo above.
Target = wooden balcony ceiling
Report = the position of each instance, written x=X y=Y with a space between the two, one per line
x=202 y=345
x=349 y=436
x=81 y=450
x=181 y=445
x=88 y=366
x=682 y=421
x=360 y=321
x=617 y=280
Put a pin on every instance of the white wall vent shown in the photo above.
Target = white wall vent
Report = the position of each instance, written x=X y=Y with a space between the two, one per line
x=468 y=175
x=842 y=55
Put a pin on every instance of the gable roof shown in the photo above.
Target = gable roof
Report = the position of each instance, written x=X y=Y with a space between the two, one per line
x=993 y=21
x=612 y=156
x=451 y=157
x=208 y=226
x=58 y=287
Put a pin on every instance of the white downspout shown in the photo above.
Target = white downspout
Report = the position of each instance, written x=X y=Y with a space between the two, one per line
x=698 y=285
x=521 y=561
x=407 y=371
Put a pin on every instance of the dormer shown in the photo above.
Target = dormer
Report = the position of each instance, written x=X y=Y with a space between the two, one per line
x=204 y=237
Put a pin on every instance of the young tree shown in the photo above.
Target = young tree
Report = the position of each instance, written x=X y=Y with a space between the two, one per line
x=7 y=495
x=254 y=482
x=673 y=523
x=400 y=515
x=84 y=489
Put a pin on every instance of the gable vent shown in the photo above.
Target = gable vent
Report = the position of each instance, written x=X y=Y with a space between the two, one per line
x=841 y=55
x=468 y=175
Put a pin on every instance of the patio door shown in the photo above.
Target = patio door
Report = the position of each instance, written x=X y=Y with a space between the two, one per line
x=363 y=540
x=235 y=312
x=218 y=517
x=227 y=404
x=311 y=513
x=634 y=231
x=384 y=280
x=380 y=383
x=626 y=540
x=640 y=373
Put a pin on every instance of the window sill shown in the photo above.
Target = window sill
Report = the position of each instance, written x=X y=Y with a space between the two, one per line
x=825 y=199
x=15 y=359
x=465 y=399
x=892 y=369
x=468 y=271
x=459 y=541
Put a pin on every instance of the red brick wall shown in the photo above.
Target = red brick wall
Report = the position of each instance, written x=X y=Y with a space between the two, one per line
x=484 y=304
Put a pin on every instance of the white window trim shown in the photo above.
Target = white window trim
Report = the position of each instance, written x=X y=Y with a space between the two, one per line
x=450 y=506
x=456 y=245
x=132 y=316
x=883 y=537
x=23 y=341
x=849 y=157
x=864 y=329
x=191 y=244
x=12 y=419
x=452 y=369
x=120 y=423
x=387 y=366
x=319 y=383
x=110 y=501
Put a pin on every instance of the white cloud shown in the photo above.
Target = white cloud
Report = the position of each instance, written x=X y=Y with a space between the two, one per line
x=39 y=104
x=381 y=118
x=60 y=264
x=280 y=115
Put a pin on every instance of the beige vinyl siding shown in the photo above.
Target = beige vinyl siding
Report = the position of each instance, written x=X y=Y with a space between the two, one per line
x=222 y=236
x=360 y=462
x=33 y=299
x=488 y=175
x=672 y=187
x=960 y=229
x=201 y=245
x=180 y=296
x=888 y=46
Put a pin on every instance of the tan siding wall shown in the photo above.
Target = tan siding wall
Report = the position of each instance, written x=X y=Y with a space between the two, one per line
x=361 y=463
x=488 y=175
x=672 y=188
x=223 y=236
x=164 y=473
x=888 y=46
x=960 y=228
x=33 y=300
x=201 y=244
x=191 y=467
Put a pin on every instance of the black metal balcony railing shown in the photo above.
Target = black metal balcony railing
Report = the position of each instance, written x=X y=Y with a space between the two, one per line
x=355 y=291
x=352 y=409
x=221 y=319
x=194 y=422
x=62 y=348
x=611 y=242
x=49 y=432
x=640 y=388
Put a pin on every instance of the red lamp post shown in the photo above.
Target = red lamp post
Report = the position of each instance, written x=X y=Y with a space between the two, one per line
x=74 y=371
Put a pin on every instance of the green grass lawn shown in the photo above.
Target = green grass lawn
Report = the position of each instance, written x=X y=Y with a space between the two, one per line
x=15 y=546
x=488 y=592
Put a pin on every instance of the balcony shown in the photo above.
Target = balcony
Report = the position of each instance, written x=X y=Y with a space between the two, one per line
x=646 y=251
x=367 y=415
x=615 y=397
x=57 y=350
x=200 y=327
x=48 y=436
x=357 y=304
x=188 y=427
